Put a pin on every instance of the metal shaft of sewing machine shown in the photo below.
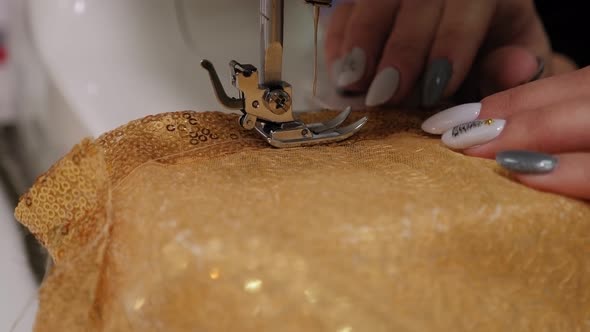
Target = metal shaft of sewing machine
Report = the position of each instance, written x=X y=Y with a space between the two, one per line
x=266 y=100
x=272 y=14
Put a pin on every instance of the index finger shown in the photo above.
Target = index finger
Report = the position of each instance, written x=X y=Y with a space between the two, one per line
x=532 y=96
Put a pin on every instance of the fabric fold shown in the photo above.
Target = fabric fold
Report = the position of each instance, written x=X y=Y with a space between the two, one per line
x=185 y=222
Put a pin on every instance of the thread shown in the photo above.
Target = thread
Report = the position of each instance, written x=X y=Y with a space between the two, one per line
x=316 y=21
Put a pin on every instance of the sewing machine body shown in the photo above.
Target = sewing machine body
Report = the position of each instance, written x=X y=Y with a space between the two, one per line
x=86 y=67
x=265 y=99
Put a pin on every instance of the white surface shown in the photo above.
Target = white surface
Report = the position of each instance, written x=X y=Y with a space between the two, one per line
x=88 y=66
x=18 y=300
x=17 y=288
x=118 y=60
x=7 y=111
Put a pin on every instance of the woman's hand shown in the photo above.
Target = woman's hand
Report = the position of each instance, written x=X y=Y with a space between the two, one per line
x=387 y=48
x=540 y=131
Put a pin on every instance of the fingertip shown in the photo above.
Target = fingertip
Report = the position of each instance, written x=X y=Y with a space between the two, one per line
x=445 y=120
x=436 y=79
x=338 y=20
x=383 y=88
x=527 y=162
x=533 y=169
x=509 y=67
x=540 y=72
x=367 y=30
x=543 y=182
x=352 y=70
x=537 y=181
x=564 y=174
x=561 y=64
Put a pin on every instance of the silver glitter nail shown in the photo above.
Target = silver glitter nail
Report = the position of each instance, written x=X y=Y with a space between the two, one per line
x=526 y=162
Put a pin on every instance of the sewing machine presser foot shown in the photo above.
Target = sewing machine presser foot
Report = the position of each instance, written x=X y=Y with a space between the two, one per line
x=267 y=108
x=296 y=133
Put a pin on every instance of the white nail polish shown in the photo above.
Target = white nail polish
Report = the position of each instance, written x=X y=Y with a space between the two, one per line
x=445 y=120
x=473 y=133
x=353 y=68
x=383 y=87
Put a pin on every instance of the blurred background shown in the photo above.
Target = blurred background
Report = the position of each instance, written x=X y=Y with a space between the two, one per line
x=76 y=68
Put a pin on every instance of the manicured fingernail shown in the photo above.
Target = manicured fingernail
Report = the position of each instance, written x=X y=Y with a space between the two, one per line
x=473 y=133
x=526 y=162
x=436 y=79
x=540 y=69
x=353 y=68
x=336 y=69
x=447 y=119
x=383 y=87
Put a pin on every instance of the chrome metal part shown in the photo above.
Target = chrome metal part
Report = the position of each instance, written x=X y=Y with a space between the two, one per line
x=271 y=40
x=298 y=134
x=266 y=100
x=224 y=99
x=277 y=101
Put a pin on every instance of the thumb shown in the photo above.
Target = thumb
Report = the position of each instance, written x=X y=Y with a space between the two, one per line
x=508 y=67
x=562 y=64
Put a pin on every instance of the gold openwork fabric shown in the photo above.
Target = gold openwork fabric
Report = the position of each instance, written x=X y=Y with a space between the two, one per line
x=184 y=222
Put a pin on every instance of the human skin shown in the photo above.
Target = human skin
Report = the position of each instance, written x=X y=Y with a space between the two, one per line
x=550 y=117
x=400 y=46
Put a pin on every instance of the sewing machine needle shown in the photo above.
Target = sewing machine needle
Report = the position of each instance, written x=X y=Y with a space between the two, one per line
x=316 y=20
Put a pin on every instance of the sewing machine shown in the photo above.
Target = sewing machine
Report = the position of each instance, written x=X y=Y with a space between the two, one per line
x=265 y=99
x=86 y=67
x=77 y=76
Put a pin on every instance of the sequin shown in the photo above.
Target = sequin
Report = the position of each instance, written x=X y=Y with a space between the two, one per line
x=253 y=285
x=151 y=233
x=214 y=273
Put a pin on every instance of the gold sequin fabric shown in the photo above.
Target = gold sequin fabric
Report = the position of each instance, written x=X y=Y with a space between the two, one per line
x=184 y=222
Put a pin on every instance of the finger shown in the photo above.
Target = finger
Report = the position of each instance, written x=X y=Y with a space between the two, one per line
x=455 y=46
x=537 y=94
x=565 y=174
x=516 y=23
x=508 y=67
x=556 y=128
x=525 y=98
x=516 y=51
x=520 y=49
x=367 y=30
x=562 y=64
x=335 y=35
x=405 y=52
